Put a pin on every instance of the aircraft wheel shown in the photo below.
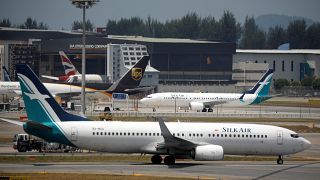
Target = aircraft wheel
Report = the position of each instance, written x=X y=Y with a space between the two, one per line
x=204 y=110
x=169 y=160
x=156 y=159
x=210 y=110
x=280 y=160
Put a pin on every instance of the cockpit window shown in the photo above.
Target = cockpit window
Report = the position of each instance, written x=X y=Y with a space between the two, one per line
x=294 y=135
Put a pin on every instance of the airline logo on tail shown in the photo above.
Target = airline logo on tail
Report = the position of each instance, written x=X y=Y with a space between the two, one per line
x=136 y=73
x=69 y=68
x=261 y=88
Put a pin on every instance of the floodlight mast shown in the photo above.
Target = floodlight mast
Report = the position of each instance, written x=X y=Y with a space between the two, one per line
x=83 y=4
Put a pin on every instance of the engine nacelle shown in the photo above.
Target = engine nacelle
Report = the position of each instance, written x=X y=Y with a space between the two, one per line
x=196 y=106
x=207 y=153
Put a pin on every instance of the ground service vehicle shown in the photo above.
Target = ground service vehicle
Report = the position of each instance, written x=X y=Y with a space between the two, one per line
x=26 y=142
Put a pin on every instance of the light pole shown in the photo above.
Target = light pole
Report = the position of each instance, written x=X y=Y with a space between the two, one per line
x=83 y=4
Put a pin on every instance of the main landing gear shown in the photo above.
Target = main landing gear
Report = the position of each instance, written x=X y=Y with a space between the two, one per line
x=207 y=110
x=280 y=160
x=168 y=160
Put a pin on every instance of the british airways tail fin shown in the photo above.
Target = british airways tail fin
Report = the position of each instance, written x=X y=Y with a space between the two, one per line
x=40 y=105
x=6 y=74
x=132 y=78
x=69 y=68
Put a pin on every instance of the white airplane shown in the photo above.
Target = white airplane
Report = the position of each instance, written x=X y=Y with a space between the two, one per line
x=198 y=141
x=202 y=101
x=128 y=83
x=72 y=74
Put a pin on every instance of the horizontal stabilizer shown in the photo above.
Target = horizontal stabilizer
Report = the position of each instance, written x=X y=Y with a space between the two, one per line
x=50 y=77
x=38 y=126
x=19 y=123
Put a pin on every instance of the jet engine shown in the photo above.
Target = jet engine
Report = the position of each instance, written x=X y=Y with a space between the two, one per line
x=207 y=153
x=198 y=106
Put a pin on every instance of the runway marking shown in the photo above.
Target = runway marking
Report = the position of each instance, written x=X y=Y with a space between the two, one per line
x=255 y=165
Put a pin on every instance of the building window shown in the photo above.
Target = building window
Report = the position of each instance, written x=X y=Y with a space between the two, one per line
x=291 y=66
x=282 y=66
x=274 y=65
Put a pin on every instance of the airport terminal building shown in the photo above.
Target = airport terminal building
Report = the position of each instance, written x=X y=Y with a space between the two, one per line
x=175 y=64
x=172 y=61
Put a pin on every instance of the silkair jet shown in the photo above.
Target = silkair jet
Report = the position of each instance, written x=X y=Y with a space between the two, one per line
x=199 y=141
x=128 y=83
x=203 y=101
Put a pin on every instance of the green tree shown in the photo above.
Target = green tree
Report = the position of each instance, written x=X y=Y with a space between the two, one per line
x=32 y=24
x=316 y=84
x=153 y=28
x=280 y=83
x=230 y=30
x=253 y=37
x=313 y=36
x=307 y=81
x=76 y=25
x=209 y=28
x=276 y=36
x=296 y=32
x=188 y=26
x=5 y=23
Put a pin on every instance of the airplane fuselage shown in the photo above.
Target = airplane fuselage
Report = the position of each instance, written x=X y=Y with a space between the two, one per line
x=13 y=88
x=143 y=137
x=184 y=99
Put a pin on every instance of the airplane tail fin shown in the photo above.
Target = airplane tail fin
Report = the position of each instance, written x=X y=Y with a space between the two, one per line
x=262 y=87
x=132 y=78
x=40 y=105
x=69 y=68
x=6 y=74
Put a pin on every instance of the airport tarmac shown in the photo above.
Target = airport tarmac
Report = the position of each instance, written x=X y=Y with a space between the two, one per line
x=191 y=169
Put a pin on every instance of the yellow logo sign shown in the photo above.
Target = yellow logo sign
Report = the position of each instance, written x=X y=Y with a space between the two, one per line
x=136 y=73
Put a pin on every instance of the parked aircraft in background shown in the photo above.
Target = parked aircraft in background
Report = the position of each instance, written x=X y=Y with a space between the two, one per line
x=199 y=141
x=204 y=101
x=72 y=75
x=128 y=83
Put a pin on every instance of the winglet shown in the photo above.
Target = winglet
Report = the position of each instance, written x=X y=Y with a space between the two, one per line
x=164 y=129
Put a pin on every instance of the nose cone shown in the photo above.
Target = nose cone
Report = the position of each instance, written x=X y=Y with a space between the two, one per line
x=143 y=100
x=306 y=144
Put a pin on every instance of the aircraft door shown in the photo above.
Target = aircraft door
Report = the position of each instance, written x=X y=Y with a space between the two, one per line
x=74 y=134
x=280 y=138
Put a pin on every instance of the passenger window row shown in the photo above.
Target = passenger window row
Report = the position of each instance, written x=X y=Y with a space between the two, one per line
x=238 y=135
x=125 y=134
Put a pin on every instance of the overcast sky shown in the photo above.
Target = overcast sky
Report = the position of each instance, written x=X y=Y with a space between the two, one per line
x=59 y=14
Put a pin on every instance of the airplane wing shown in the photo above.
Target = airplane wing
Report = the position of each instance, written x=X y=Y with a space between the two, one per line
x=213 y=103
x=50 y=77
x=171 y=141
x=13 y=121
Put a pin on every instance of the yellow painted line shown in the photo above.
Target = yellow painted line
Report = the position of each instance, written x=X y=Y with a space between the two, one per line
x=136 y=174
